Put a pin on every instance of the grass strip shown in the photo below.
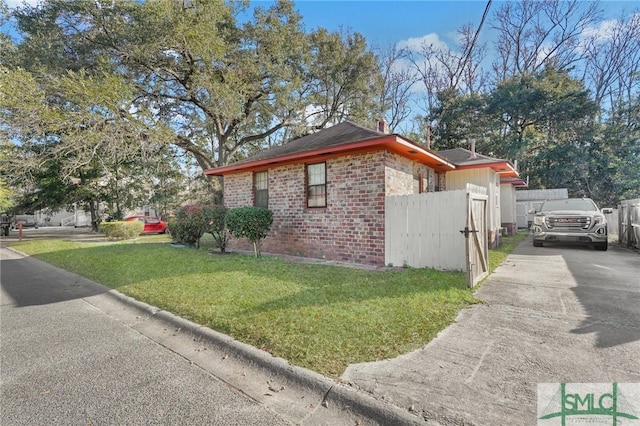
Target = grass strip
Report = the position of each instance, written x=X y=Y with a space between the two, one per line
x=316 y=316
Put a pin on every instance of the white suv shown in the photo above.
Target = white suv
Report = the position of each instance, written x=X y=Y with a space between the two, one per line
x=572 y=220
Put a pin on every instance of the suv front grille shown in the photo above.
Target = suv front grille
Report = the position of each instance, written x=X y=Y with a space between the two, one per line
x=568 y=222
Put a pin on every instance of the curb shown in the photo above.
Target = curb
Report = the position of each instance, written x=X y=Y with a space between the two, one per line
x=331 y=392
x=336 y=401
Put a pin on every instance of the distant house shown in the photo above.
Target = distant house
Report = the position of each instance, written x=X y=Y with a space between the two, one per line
x=485 y=171
x=327 y=190
x=532 y=199
x=508 y=203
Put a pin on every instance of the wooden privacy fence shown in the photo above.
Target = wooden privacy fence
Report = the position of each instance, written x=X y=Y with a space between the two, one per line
x=441 y=230
x=629 y=223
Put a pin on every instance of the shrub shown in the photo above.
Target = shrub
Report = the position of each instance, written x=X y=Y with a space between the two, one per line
x=188 y=226
x=215 y=219
x=252 y=223
x=122 y=230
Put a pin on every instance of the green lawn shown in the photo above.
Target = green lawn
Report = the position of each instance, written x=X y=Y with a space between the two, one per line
x=316 y=316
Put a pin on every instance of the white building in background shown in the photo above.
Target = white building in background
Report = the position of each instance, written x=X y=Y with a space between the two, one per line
x=80 y=218
x=76 y=217
x=532 y=199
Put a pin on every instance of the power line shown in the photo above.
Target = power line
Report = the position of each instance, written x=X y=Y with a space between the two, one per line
x=467 y=55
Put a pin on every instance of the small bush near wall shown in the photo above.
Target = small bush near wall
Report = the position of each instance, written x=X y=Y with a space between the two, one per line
x=122 y=230
x=215 y=219
x=189 y=225
x=252 y=223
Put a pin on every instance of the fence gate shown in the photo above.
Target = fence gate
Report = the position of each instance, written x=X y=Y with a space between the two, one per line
x=629 y=223
x=477 y=245
x=440 y=230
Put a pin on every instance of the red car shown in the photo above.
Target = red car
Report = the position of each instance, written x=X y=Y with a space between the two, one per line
x=152 y=225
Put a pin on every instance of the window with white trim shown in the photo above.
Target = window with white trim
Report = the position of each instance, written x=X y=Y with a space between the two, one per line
x=317 y=185
x=261 y=189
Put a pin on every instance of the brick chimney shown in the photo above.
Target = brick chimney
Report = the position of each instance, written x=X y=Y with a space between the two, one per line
x=382 y=126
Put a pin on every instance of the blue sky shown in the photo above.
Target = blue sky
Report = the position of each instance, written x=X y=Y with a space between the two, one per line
x=387 y=22
x=384 y=23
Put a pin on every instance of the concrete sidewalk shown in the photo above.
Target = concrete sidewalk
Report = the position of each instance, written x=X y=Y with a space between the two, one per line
x=550 y=315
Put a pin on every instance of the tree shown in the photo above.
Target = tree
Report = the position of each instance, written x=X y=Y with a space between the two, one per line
x=622 y=134
x=549 y=102
x=222 y=87
x=447 y=73
x=71 y=135
x=252 y=223
x=533 y=35
x=395 y=89
x=462 y=118
x=343 y=79
x=612 y=60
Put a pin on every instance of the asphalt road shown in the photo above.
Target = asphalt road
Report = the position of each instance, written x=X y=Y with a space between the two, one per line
x=64 y=361
x=550 y=315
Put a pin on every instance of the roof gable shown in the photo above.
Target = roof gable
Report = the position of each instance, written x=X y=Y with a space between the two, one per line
x=465 y=159
x=461 y=156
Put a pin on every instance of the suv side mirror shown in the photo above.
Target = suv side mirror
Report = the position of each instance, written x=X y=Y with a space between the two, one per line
x=607 y=210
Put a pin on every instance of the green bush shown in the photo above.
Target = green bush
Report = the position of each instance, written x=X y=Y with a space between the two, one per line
x=252 y=223
x=215 y=219
x=189 y=225
x=122 y=230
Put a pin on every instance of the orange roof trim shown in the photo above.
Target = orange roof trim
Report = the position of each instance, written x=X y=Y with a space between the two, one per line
x=391 y=143
x=504 y=168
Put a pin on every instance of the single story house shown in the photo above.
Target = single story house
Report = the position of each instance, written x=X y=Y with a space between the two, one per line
x=327 y=190
x=480 y=170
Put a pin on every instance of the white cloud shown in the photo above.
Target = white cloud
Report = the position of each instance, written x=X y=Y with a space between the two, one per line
x=602 y=32
x=415 y=44
x=16 y=3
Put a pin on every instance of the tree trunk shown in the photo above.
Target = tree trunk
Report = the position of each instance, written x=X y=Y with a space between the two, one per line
x=93 y=208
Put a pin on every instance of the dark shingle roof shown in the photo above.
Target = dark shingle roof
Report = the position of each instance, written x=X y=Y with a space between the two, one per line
x=464 y=157
x=340 y=134
x=335 y=141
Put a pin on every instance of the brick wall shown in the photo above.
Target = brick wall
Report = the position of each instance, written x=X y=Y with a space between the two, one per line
x=238 y=190
x=402 y=176
x=350 y=228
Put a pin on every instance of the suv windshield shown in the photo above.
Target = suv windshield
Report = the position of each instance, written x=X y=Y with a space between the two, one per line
x=569 y=204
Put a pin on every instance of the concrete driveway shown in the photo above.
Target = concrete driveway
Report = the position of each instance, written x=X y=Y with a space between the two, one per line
x=552 y=314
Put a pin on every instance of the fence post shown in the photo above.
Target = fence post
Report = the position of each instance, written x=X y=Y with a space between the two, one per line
x=629 y=225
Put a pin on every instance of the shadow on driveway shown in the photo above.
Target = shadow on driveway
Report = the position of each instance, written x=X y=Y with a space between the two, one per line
x=27 y=281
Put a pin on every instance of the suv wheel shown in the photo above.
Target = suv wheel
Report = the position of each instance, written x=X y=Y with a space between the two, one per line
x=601 y=246
x=537 y=243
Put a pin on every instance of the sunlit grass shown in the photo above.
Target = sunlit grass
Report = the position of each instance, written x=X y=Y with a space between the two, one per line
x=316 y=316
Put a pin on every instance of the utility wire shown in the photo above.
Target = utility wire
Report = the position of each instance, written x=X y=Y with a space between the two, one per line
x=465 y=59
x=467 y=54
